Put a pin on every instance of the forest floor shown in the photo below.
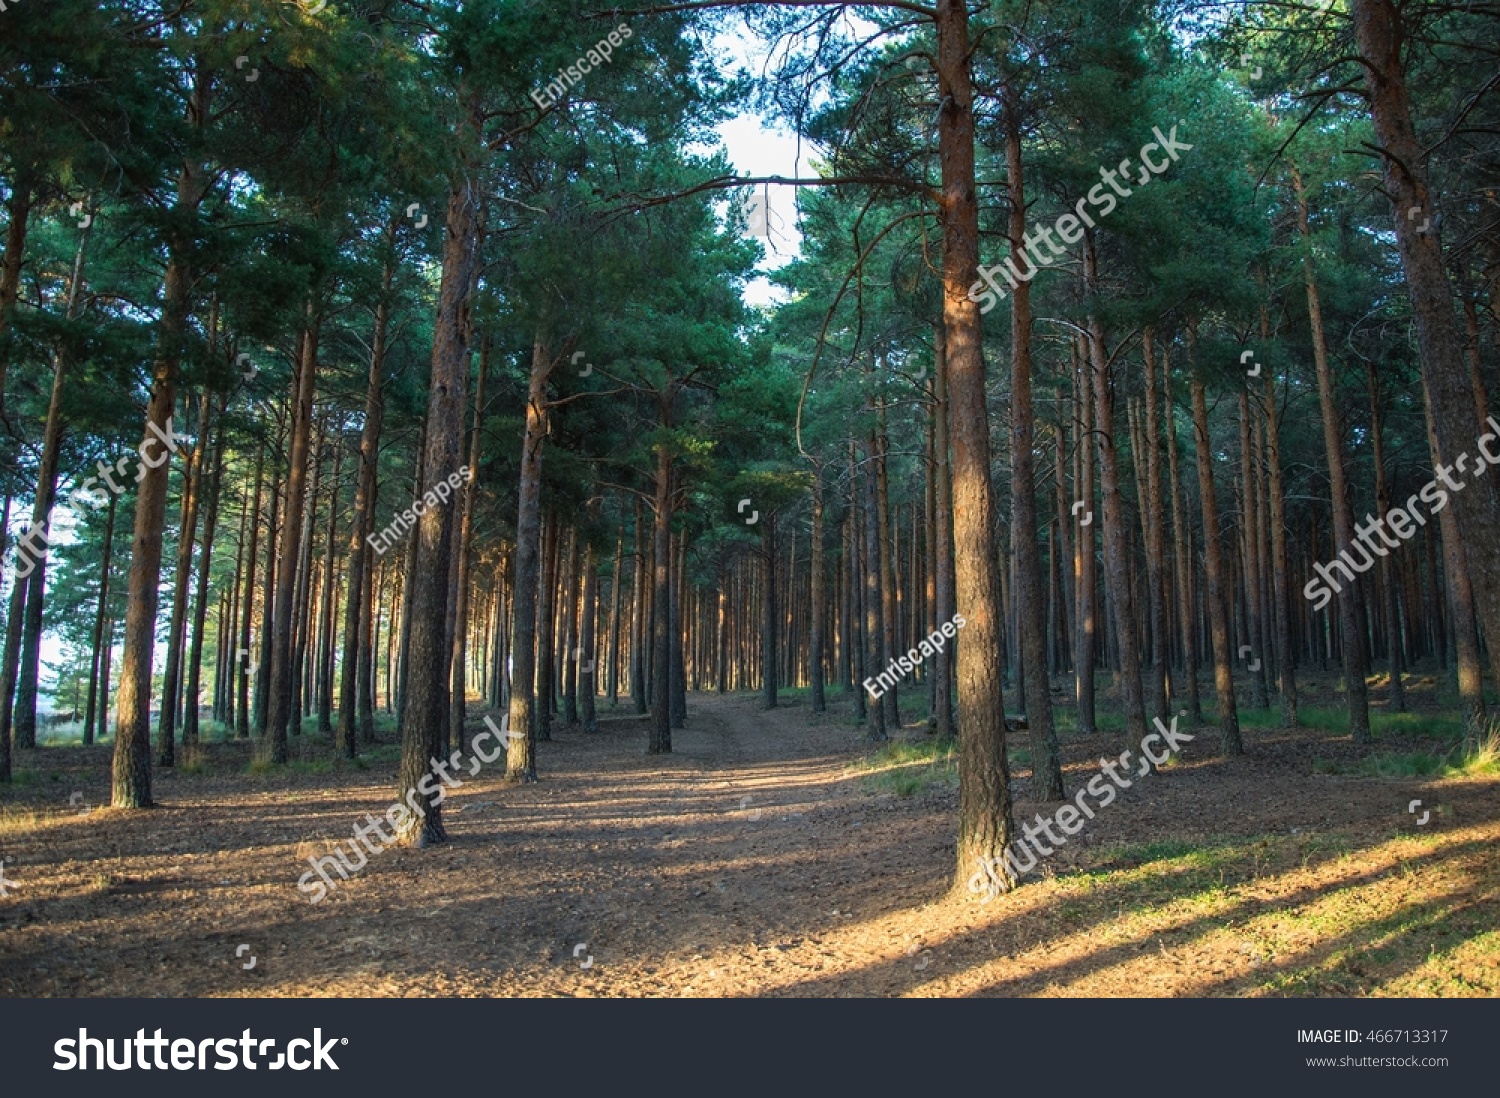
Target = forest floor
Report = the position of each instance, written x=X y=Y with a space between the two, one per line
x=772 y=853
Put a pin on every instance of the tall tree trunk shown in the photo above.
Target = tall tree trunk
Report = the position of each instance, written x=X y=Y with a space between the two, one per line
x=587 y=659
x=1218 y=610
x=326 y=614
x=942 y=664
x=1031 y=607
x=1156 y=553
x=200 y=601
x=817 y=563
x=521 y=761
x=1254 y=583
x=242 y=660
x=984 y=805
x=1086 y=563
x=426 y=702
x=22 y=196
x=875 y=658
x=1462 y=614
x=361 y=553
x=1387 y=568
x=280 y=713
x=1355 y=665
x=131 y=777
x=1380 y=37
x=661 y=659
x=192 y=489
x=1182 y=542
x=889 y=572
x=97 y=699
x=458 y=716
x=613 y=674
x=1286 y=657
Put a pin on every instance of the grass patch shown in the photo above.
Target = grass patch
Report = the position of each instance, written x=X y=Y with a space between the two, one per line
x=906 y=767
x=261 y=765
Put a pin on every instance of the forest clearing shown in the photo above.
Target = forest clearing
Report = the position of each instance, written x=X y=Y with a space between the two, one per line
x=924 y=498
x=770 y=855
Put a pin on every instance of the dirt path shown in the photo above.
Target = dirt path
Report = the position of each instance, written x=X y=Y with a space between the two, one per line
x=751 y=861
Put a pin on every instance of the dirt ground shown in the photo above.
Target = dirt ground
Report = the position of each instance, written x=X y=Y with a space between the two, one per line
x=755 y=860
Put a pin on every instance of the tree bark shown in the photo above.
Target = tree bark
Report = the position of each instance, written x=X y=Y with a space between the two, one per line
x=984 y=775
x=1229 y=721
x=426 y=702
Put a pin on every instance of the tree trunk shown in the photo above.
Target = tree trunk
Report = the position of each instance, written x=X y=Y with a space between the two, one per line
x=1355 y=664
x=426 y=702
x=242 y=659
x=942 y=664
x=192 y=489
x=459 y=706
x=984 y=776
x=661 y=659
x=1031 y=609
x=97 y=699
x=131 y=776
x=280 y=713
x=521 y=760
x=818 y=566
x=1156 y=553
x=1378 y=32
x=200 y=601
x=1229 y=721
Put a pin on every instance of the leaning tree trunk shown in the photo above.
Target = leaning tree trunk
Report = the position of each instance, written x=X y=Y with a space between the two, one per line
x=1351 y=635
x=984 y=777
x=1378 y=30
x=41 y=520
